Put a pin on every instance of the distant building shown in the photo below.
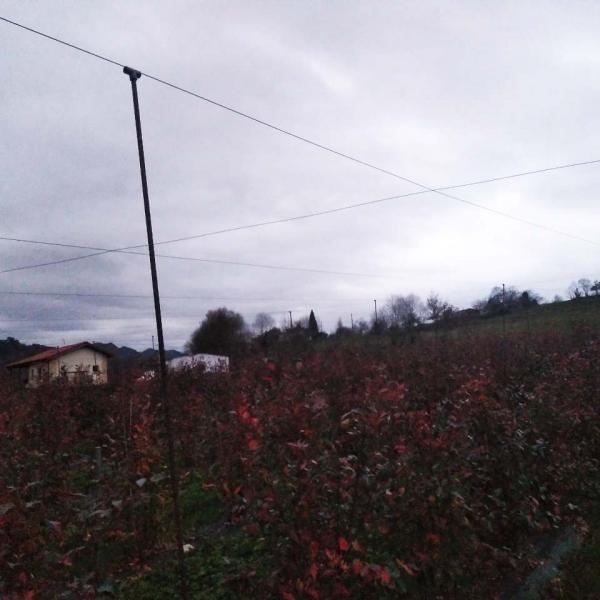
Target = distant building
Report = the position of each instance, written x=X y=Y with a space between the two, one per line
x=77 y=363
x=212 y=363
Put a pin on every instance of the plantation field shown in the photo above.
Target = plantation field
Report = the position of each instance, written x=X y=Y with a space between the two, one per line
x=567 y=316
x=424 y=470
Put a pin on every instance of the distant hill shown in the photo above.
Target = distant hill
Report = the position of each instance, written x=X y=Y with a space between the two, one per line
x=12 y=349
x=122 y=352
x=554 y=316
x=169 y=354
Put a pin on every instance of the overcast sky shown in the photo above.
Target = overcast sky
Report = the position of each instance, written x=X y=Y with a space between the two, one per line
x=442 y=93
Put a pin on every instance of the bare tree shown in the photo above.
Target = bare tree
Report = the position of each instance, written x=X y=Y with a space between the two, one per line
x=596 y=287
x=585 y=285
x=302 y=322
x=403 y=311
x=574 y=291
x=436 y=308
x=341 y=330
x=361 y=327
x=262 y=322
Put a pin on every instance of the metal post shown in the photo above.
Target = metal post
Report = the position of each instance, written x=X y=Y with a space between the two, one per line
x=98 y=461
x=133 y=77
x=503 y=310
x=504 y=330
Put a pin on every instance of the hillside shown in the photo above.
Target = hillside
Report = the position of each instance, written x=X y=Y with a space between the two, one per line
x=555 y=316
x=12 y=349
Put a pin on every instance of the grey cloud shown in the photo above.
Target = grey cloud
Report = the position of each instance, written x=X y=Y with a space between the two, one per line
x=441 y=93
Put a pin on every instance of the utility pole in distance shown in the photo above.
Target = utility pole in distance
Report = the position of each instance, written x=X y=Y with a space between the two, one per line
x=375 y=311
x=164 y=398
x=504 y=330
x=291 y=324
x=503 y=310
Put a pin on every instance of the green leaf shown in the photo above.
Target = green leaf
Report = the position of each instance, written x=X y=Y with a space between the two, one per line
x=4 y=508
x=106 y=588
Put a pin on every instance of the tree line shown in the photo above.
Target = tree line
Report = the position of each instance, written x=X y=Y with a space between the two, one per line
x=224 y=331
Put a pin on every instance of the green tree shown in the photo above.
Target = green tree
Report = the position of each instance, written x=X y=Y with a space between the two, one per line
x=223 y=331
x=313 y=326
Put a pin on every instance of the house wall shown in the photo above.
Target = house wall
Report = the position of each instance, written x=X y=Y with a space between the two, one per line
x=80 y=362
x=37 y=373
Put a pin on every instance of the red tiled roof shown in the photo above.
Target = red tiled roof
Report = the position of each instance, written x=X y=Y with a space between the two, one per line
x=53 y=353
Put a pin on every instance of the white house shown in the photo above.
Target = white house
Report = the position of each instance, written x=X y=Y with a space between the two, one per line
x=77 y=363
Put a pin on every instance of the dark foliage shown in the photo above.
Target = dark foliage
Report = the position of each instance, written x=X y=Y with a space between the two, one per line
x=425 y=471
x=223 y=331
x=12 y=349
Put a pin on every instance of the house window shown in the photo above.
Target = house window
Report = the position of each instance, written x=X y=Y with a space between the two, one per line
x=96 y=369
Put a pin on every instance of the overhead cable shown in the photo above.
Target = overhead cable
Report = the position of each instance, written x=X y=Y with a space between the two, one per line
x=298 y=137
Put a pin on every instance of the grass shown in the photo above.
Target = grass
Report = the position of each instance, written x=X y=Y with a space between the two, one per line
x=556 y=316
x=223 y=565
x=199 y=507
x=225 y=569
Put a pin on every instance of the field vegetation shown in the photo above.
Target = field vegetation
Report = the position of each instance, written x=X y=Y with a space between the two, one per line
x=425 y=466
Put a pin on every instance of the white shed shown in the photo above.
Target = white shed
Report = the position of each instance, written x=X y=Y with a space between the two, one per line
x=213 y=363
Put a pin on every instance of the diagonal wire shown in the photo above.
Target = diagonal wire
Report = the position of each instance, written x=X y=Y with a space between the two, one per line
x=125 y=249
x=297 y=136
x=174 y=257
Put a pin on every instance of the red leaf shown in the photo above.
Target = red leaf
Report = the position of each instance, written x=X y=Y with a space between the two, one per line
x=313 y=571
x=385 y=577
x=67 y=561
x=343 y=544
x=253 y=444
x=400 y=449
x=432 y=538
x=314 y=549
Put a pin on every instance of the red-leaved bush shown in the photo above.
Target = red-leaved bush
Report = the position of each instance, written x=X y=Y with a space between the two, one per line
x=426 y=471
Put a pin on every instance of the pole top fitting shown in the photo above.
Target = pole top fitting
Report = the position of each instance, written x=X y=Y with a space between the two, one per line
x=134 y=75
